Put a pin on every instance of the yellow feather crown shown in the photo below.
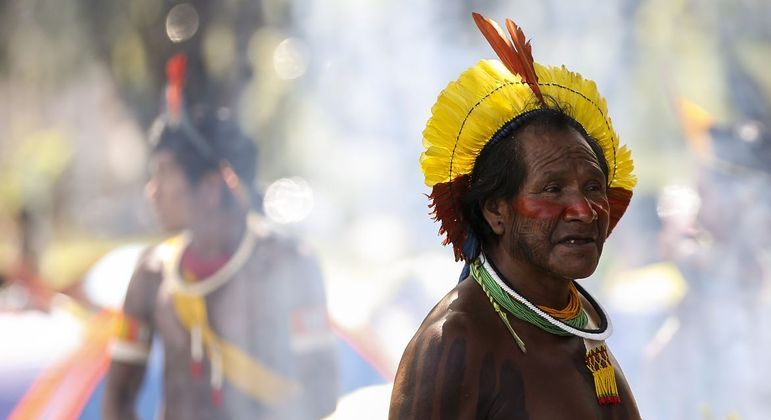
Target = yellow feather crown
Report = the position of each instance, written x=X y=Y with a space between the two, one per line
x=471 y=110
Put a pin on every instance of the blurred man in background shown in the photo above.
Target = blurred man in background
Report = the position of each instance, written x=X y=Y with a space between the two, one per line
x=240 y=310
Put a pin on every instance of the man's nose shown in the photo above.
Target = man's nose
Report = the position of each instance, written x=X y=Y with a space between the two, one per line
x=579 y=209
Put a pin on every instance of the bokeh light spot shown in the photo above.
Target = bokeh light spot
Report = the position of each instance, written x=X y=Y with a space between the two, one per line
x=290 y=59
x=182 y=22
x=288 y=200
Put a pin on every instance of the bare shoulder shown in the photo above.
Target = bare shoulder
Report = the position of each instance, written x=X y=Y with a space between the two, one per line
x=456 y=315
x=144 y=283
x=440 y=369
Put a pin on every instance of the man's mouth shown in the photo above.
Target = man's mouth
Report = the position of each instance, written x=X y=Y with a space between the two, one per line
x=575 y=240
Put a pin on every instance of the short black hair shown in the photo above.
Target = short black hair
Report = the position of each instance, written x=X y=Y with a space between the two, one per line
x=499 y=170
x=203 y=140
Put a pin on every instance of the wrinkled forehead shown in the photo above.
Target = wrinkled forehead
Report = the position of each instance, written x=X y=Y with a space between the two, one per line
x=542 y=146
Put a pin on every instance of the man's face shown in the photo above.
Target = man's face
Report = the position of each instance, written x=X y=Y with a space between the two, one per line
x=560 y=216
x=169 y=191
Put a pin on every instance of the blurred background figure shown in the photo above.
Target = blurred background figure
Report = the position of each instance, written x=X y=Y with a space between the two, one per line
x=717 y=334
x=241 y=312
x=335 y=95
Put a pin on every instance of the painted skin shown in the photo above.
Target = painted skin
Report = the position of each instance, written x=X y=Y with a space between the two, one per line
x=463 y=362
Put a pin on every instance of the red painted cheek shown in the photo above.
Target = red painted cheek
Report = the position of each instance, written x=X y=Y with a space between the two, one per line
x=537 y=209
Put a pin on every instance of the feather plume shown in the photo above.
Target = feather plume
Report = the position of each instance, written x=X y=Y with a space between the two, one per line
x=175 y=76
x=497 y=39
x=525 y=55
x=516 y=56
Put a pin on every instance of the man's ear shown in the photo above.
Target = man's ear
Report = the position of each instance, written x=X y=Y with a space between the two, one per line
x=496 y=211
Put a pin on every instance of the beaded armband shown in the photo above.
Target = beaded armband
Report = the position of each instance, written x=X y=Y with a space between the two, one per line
x=131 y=340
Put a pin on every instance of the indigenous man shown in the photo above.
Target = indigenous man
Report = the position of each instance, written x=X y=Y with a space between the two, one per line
x=240 y=311
x=528 y=179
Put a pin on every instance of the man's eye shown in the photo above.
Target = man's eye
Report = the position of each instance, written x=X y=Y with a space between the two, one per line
x=594 y=187
x=552 y=189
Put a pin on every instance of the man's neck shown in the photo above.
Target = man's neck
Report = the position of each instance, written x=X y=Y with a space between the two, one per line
x=534 y=283
x=218 y=234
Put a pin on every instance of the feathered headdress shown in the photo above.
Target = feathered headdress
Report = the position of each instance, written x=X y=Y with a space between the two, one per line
x=176 y=70
x=471 y=110
x=176 y=67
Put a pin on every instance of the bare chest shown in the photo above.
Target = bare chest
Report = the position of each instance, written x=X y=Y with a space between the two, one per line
x=247 y=312
x=550 y=384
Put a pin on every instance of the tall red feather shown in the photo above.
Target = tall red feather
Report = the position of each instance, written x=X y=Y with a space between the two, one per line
x=497 y=39
x=175 y=76
x=525 y=55
x=516 y=56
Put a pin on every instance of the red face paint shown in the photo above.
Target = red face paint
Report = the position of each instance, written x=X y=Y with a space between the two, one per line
x=582 y=206
x=537 y=209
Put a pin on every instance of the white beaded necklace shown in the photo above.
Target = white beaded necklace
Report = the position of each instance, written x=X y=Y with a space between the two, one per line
x=209 y=284
x=599 y=335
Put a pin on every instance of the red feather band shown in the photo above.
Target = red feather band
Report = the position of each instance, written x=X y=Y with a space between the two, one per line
x=446 y=204
x=618 y=200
